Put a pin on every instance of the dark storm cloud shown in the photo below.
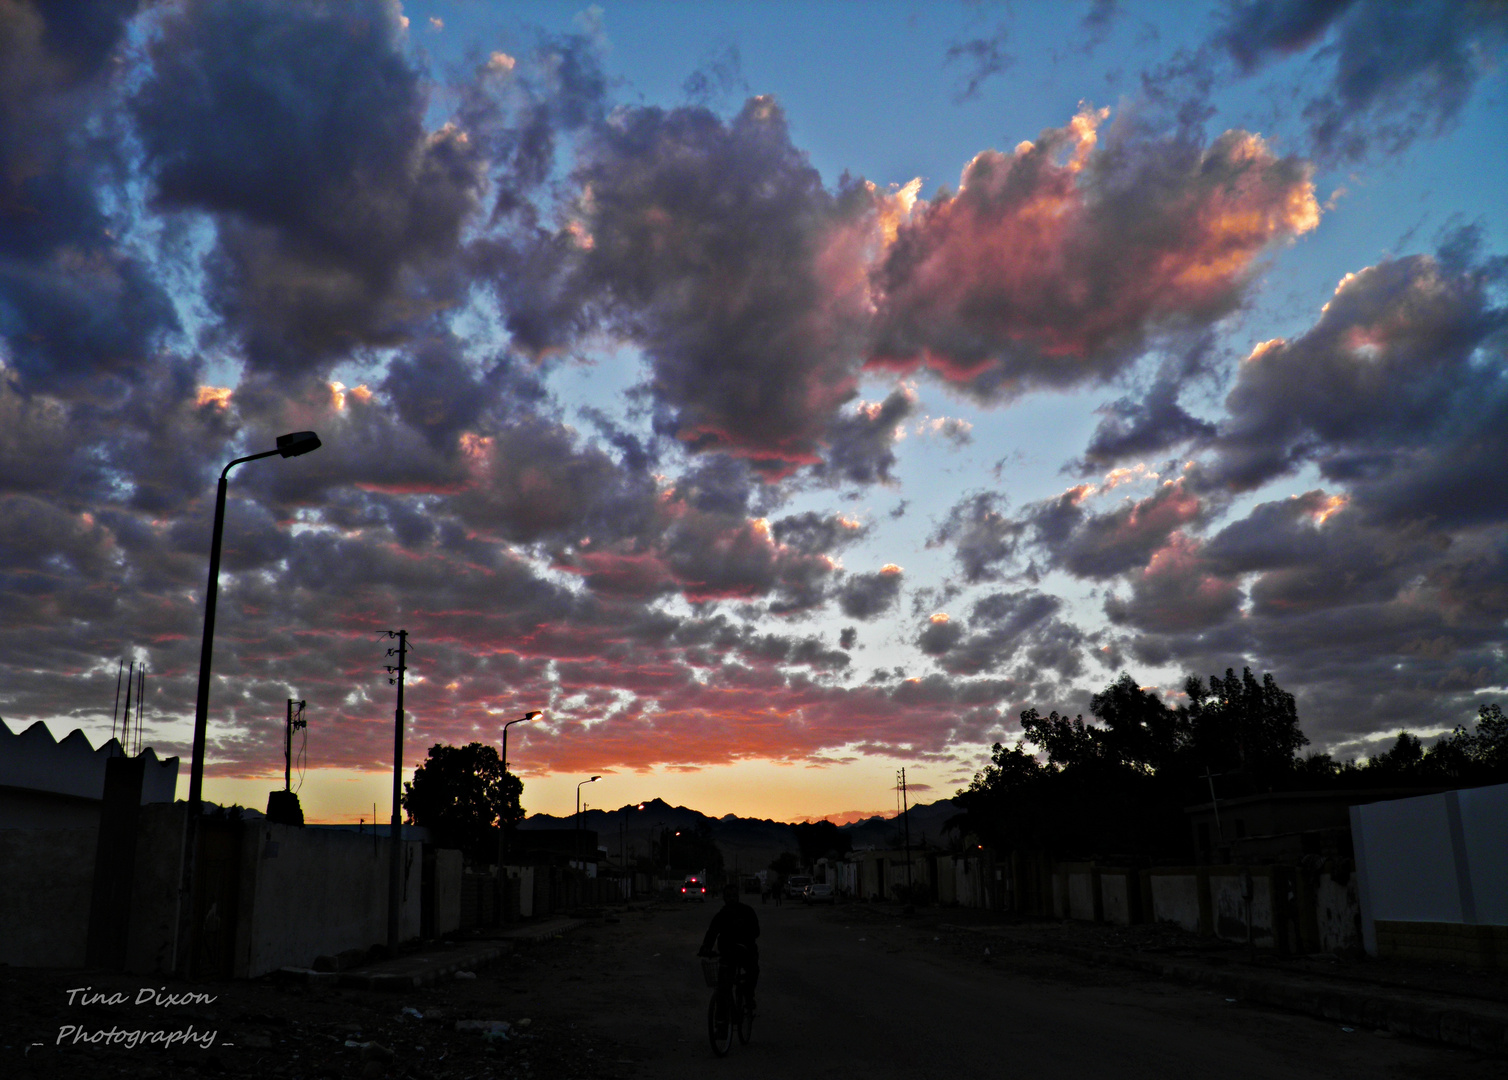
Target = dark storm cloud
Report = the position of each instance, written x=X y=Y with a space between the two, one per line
x=1176 y=591
x=1104 y=544
x=939 y=635
x=812 y=533
x=1056 y=264
x=1393 y=71
x=715 y=247
x=1378 y=599
x=1003 y=626
x=1153 y=424
x=864 y=596
x=1396 y=392
x=437 y=391
x=981 y=535
x=299 y=128
x=1256 y=31
x=73 y=302
x=863 y=444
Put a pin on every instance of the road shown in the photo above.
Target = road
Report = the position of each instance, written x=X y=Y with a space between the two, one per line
x=846 y=993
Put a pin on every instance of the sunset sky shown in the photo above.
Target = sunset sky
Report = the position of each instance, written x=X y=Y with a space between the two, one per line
x=775 y=393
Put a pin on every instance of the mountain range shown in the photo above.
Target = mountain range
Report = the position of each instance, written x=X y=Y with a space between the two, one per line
x=747 y=844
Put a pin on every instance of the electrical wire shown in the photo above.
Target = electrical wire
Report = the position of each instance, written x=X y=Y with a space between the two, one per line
x=303 y=754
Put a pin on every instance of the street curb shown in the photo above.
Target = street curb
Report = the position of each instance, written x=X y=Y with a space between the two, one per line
x=1417 y=1015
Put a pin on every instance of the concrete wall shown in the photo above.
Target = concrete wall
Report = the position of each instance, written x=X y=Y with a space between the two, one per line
x=448 y=869
x=154 y=888
x=1080 y=892
x=1433 y=859
x=525 y=876
x=313 y=892
x=1336 y=907
x=1115 y=896
x=1235 y=913
x=46 y=884
x=1484 y=833
x=1175 y=898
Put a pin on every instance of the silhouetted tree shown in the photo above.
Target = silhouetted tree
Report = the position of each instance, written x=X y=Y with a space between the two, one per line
x=1462 y=757
x=1241 y=726
x=821 y=839
x=460 y=794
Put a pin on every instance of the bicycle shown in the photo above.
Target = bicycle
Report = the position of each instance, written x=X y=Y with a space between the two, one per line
x=729 y=1010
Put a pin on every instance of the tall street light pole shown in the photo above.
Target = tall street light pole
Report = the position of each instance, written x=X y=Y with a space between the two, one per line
x=502 y=841
x=291 y=445
x=578 y=819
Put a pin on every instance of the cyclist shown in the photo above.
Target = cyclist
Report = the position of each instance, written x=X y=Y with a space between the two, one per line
x=734 y=930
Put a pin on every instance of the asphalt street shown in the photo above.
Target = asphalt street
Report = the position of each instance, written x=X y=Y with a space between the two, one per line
x=847 y=994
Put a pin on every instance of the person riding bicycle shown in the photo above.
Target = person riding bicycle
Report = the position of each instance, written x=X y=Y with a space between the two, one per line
x=734 y=930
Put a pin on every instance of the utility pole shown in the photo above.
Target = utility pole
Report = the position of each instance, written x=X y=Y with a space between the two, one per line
x=394 y=894
x=906 y=822
x=1219 y=832
x=290 y=726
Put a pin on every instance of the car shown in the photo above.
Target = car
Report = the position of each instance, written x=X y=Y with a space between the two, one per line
x=694 y=888
x=795 y=885
x=819 y=892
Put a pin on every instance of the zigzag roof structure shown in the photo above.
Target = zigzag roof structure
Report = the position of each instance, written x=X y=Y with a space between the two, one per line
x=35 y=761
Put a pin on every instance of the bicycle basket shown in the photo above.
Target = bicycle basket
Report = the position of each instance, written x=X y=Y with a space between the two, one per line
x=709 y=970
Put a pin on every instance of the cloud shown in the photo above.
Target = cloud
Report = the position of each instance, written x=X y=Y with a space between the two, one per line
x=1002 y=626
x=1176 y=591
x=983 y=58
x=717 y=250
x=1395 y=392
x=75 y=303
x=1101 y=545
x=1393 y=71
x=865 y=596
x=299 y=129
x=862 y=445
x=1054 y=265
x=812 y=533
x=1154 y=424
x=981 y=535
x=956 y=431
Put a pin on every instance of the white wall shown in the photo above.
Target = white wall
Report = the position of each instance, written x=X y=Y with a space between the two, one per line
x=317 y=892
x=1434 y=858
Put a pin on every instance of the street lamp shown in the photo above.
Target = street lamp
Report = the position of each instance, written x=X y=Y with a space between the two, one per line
x=502 y=843
x=578 y=819
x=291 y=445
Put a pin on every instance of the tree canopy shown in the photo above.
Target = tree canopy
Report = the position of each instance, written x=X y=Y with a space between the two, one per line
x=461 y=794
x=1118 y=783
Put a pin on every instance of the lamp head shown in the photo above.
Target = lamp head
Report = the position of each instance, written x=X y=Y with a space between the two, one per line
x=594 y=778
x=533 y=714
x=297 y=442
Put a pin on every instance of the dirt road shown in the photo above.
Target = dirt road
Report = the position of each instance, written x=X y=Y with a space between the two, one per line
x=846 y=992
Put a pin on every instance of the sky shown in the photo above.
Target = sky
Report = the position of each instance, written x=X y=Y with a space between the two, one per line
x=776 y=395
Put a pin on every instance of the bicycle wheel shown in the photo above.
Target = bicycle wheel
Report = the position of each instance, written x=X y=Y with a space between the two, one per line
x=719 y=1025
x=745 y=1016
